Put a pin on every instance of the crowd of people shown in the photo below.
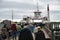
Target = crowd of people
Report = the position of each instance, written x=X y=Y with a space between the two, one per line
x=27 y=31
x=9 y=32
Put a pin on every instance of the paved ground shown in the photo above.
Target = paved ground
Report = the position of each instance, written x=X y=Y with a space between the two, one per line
x=9 y=38
x=12 y=38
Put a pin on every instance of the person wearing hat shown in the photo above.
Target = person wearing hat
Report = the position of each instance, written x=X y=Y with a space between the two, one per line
x=39 y=35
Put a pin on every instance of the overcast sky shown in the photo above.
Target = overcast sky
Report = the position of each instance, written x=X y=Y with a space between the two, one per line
x=27 y=7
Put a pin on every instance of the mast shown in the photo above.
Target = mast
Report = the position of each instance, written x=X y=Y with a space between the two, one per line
x=37 y=6
x=48 y=12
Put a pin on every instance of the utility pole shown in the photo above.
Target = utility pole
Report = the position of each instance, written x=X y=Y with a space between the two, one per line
x=12 y=15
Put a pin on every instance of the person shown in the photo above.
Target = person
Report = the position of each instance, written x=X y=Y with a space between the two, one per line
x=4 y=32
x=8 y=28
x=39 y=35
x=13 y=28
x=35 y=27
x=18 y=29
x=46 y=32
x=9 y=32
x=25 y=33
x=31 y=27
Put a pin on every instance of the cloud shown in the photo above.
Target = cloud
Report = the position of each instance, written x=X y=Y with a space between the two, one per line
x=55 y=15
x=17 y=13
x=54 y=7
x=27 y=7
x=18 y=5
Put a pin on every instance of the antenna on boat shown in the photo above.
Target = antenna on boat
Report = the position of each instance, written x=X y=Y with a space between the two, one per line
x=37 y=6
x=48 y=12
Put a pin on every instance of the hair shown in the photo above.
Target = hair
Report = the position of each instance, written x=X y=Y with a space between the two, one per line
x=26 y=24
x=35 y=24
x=40 y=24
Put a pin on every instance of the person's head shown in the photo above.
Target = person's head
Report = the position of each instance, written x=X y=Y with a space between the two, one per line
x=39 y=28
x=26 y=25
x=41 y=25
x=35 y=24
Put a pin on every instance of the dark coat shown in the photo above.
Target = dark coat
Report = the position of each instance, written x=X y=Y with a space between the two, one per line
x=39 y=35
x=25 y=34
